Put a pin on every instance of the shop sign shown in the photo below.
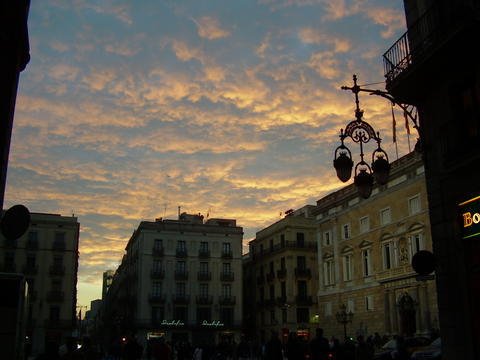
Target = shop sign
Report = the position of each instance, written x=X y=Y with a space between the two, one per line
x=470 y=217
x=214 y=323
x=174 y=323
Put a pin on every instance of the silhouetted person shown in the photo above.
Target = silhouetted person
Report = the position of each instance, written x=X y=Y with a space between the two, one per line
x=294 y=348
x=319 y=346
x=161 y=350
x=50 y=353
x=363 y=351
x=243 y=349
x=273 y=348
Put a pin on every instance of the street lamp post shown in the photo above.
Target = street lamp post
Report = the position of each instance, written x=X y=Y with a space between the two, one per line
x=361 y=132
x=344 y=317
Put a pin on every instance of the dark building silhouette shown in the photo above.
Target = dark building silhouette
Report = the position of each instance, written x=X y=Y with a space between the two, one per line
x=434 y=68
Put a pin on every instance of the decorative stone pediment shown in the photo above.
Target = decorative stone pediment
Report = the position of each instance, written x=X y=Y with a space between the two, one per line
x=386 y=236
x=327 y=255
x=365 y=243
x=347 y=249
x=415 y=226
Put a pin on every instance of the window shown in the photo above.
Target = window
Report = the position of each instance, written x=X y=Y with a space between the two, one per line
x=350 y=305
x=59 y=241
x=204 y=314
x=226 y=290
x=180 y=289
x=367 y=266
x=283 y=290
x=302 y=289
x=203 y=290
x=271 y=245
x=157 y=313
x=369 y=302
x=158 y=244
x=272 y=292
x=180 y=267
x=282 y=263
x=203 y=246
x=227 y=268
x=282 y=240
x=346 y=231
x=272 y=317
x=389 y=255
x=227 y=249
x=414 y=205
x=54 y=314
x=284 y=316
x=328 y=309
x=181 y=246
x=226 y=316
x=303 y=315
x=156 y=288
x=348 y=267
x=300 y=239
x=385 y=216
x=301 y=262
x=180 y=313
x=364 y=224
x=329 y=272
x=416 y=243
x=204 y=267
x=31 y=261
x=271 y=267
x=32 y=241
x=157 y=265
x=327 y=238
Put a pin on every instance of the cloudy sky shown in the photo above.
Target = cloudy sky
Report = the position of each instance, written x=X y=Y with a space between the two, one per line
x=129 y=109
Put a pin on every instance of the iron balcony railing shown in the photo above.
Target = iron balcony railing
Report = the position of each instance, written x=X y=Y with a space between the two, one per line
x=437 y=24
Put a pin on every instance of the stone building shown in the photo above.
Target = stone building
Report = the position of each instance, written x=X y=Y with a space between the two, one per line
x=281 y=266
x=179 y=279
x=365 y=248
x=47 y=255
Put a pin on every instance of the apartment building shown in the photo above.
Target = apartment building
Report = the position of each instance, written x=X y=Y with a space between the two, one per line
x=365 y=248
x=179 y=279
x=47 y=254
x=281 y=268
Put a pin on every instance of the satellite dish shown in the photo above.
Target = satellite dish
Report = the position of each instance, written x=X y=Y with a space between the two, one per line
x=15 y=222
x=423 y=262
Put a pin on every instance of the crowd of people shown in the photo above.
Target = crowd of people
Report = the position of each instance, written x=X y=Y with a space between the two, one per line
x=294 y=348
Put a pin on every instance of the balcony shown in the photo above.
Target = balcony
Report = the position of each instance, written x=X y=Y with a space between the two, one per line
x=270 y=276
x=282 y=273
x=181 y=299
x=157 y=274
x=226 y=300
x=59 y=324
x=227 y=254
x=181 y=253
x=8 y=267
x=304 y=300
x=204 y=276
x=58 y=246
x=227 y=276
x=203 y=253
x=30 y=269
x=436 y=27
x=204 y=299
x=57 y=270
x=156 y=298
x=158 y=251
x=303 y=273
x=55 y=296
x=181 y=275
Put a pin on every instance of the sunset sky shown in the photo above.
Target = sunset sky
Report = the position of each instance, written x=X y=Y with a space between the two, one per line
x=129 y=109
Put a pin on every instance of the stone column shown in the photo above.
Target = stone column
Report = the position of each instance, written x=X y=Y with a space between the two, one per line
x=426 y=321
x=388 y=324
x=393 y=312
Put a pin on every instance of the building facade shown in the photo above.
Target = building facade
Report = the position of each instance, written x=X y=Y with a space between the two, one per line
x=47 y=255
x=179 y=279
x=281 y=268
x=431 y=66
x=365 y=249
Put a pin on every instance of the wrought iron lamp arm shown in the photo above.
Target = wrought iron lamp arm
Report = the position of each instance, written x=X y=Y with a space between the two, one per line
x=356 y=89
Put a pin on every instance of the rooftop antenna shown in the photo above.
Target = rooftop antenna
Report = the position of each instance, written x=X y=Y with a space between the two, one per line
x=179 y=207
x=165 y=210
